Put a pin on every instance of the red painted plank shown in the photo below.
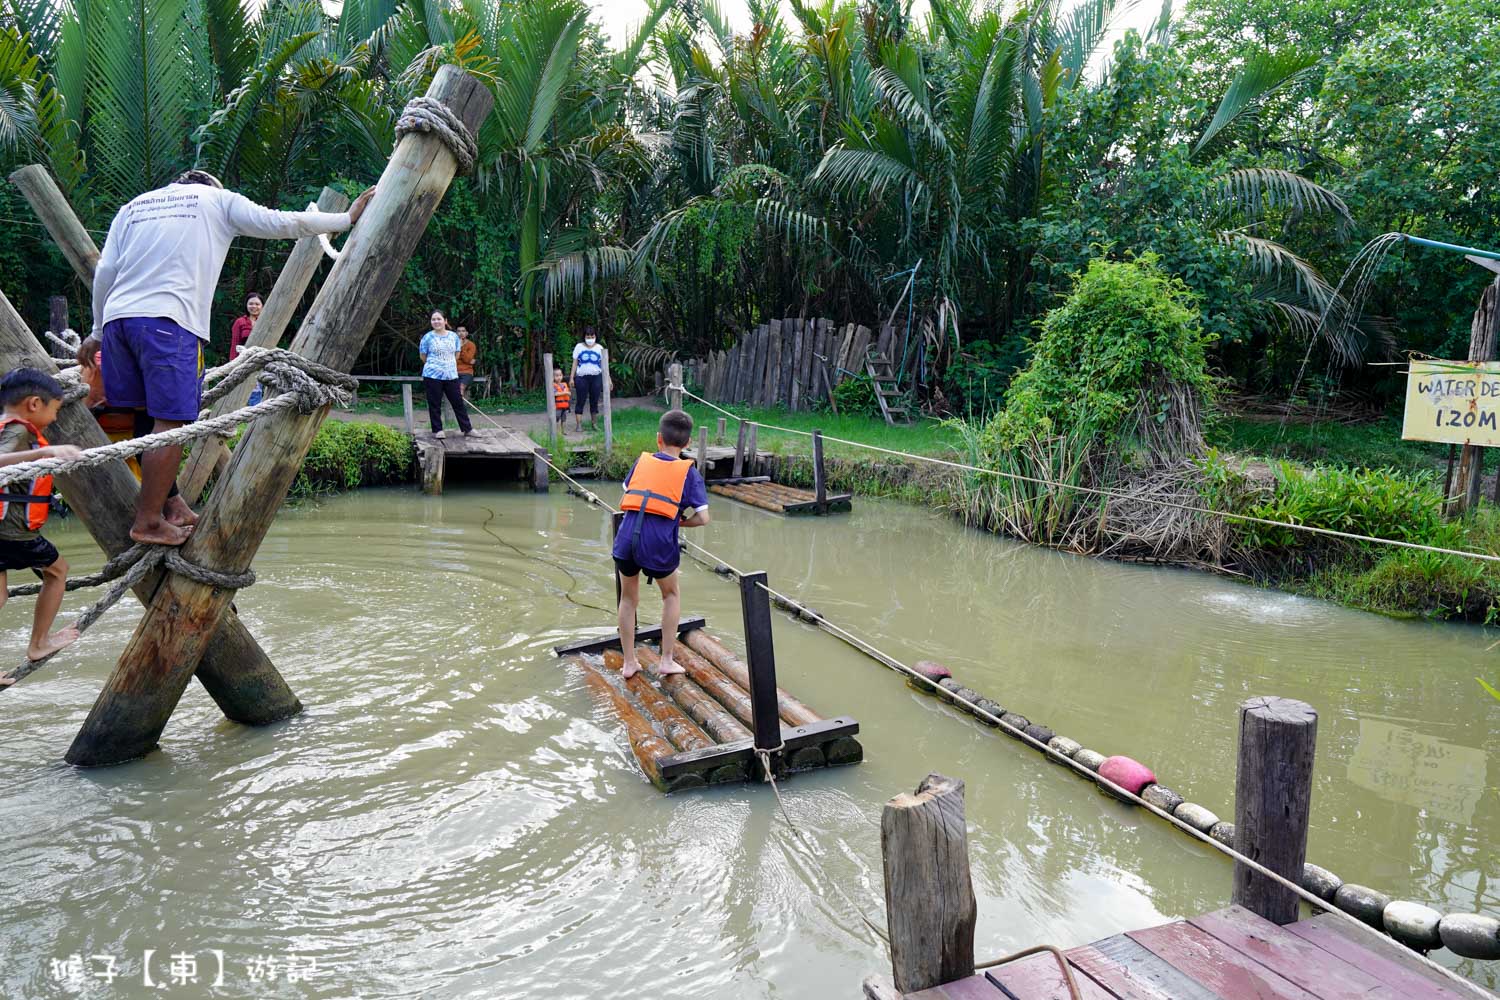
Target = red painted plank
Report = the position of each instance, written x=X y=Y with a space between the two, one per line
x=1215 y=965
x=1299 y=961
x=1123 y=982
x=1407 y=982
x=976 y=987
x=1040 y=978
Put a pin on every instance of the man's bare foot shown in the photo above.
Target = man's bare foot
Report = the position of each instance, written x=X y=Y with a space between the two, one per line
x=160 y=532
x=665 y=667
x=60 y=639
x=630 y=669
x=176 y=511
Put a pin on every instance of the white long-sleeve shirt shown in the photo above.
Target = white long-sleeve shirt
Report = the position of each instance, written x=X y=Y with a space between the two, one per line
x=166 y=247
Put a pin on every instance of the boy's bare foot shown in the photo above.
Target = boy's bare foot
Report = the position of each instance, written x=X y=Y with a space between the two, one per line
x=665 y=667
x=176 y=511
x=630 y=669
x=60 y=639
x=160 y=532
x=6 y=680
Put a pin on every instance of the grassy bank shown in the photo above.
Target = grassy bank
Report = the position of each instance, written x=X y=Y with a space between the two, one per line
x=1373 y=445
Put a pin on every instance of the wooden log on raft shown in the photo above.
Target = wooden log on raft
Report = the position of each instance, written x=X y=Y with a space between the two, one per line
x=209 y=454
x=644 y=743
x=714 y=718
x=681 y=730
x=235 y=671
x=715 y=684
x=139 y=696
x=792 y=711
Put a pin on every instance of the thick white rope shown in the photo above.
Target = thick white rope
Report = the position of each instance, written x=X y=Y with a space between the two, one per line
x=426 y=114
x=1116 y=495
x=327 y=244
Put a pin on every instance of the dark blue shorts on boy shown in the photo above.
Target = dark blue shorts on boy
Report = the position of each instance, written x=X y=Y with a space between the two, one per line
x=648 y=538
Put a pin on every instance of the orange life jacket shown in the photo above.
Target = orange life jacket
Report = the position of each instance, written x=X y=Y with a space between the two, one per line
x=562 y=394
x=39 y=500
x=656 y=485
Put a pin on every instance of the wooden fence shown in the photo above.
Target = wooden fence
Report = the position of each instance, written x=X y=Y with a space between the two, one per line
x=790 y=363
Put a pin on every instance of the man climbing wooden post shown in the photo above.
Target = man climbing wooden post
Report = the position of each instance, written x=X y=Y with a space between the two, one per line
x=436 y=140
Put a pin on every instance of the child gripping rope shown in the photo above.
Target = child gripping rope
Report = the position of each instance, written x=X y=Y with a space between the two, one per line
x=662 y=494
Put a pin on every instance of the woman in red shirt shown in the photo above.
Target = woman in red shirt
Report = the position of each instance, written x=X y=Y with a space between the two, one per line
x=240 y=331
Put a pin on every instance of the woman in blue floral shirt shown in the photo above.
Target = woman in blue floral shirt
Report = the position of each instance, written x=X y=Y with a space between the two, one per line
x=439 y=349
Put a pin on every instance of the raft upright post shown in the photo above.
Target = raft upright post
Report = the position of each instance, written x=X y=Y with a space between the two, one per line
x=755 y=608
x=1272 y=801
x=609 y=420
x=929 y=896
x=141 y=693
x=820 y=481
x=674 y=387
x=551 y=398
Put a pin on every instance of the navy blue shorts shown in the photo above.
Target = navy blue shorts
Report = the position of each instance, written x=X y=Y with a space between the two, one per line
x=629 y=567
x=35 y=553
x=155 y=364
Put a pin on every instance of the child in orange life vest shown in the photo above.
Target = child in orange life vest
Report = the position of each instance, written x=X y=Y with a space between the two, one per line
x=31 y=400
x=562 y=396
x=662 y=493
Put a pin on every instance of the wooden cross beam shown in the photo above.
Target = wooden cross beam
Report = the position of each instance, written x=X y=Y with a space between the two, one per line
x=236 y=672
x=276 y=315
x=140 y=695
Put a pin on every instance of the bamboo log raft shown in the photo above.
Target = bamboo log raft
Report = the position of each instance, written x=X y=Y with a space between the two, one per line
x=693 y=729
x=781 y=499
x=140 y=695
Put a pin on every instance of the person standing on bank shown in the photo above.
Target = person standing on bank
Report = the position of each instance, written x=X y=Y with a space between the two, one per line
x=153 y=291
x=467 y=352
x=439 y=350
x=587 y=377
x=239 y=334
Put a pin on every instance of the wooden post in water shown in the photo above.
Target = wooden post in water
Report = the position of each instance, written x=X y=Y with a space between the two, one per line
x=234 y=670
x=406 y=409
x=609 y=420
x=1483 y=331
x=137 y=700
x=739 y=452
x=49 y=204
x=719 y=438
x=752 y=456
x=551 y=399
x=208 y=454
x=1273 y=801
x=703 y=452
x=929 y=897
x=539 y=470
x=674 y=388
x=820 y=481
x=755 y=609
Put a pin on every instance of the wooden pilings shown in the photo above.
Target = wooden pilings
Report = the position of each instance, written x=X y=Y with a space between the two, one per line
x=820 y=480
x=739 y=451
x=540 y=472
x=140 y=695
x=929 y=896
x=547 y=367
x=1272 y=801
x=674 y=387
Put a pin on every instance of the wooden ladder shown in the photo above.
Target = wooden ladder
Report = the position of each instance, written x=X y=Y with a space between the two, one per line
x=886 y=388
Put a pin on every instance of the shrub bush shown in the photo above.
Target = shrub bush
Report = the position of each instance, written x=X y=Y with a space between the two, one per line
x=347 y=454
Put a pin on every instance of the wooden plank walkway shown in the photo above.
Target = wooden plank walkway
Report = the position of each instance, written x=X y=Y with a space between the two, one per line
x=781 y=499
x=493 y=443
x=1231 y=954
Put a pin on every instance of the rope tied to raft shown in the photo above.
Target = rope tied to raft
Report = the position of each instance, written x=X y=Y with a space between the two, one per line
x=429 y=115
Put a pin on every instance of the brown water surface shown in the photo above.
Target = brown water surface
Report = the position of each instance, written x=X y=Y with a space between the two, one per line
x=453 y=816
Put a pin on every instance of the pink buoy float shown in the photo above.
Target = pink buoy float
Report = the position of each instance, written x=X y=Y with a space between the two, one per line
x=1127 y=772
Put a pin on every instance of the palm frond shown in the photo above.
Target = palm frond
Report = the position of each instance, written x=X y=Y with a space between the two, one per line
x=867 y=174
x=1261 y=75
x=1256 y=189
x=566 y=278
x=219 y=139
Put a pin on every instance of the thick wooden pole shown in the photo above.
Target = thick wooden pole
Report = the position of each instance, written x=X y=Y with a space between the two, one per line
x=276 y=315
x=929 y=897
x=235 y=671
x=49 y=204
x=540 y=478
x=609 y=420
x=719 y=437
x=1273 y=801
x=406 y=409
x=752 y=453
x=551 y=399
x=1483 y=331
x=140 y=695
x=674 y=390
x=820 y=481
x=755 y=610
x=739 y=452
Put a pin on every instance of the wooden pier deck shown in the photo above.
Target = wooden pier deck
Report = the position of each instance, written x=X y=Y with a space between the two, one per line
x=1226 y=955
x=493 y=443
x=696 y=729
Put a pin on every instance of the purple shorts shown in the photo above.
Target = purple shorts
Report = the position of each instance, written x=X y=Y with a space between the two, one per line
x=155 y=364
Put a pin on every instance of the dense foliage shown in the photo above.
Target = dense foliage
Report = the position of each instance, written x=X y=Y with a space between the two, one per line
x=695 y=180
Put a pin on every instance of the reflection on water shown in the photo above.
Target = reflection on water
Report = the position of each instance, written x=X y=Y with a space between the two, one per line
x=453 y=816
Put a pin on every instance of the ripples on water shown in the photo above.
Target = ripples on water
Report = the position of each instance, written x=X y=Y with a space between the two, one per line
x=453 y=817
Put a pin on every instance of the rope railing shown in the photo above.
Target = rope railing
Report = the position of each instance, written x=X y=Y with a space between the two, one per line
x=979 y=711
x=1115 y=494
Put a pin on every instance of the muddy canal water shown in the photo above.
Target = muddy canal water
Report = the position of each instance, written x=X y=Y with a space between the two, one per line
x=453 y=816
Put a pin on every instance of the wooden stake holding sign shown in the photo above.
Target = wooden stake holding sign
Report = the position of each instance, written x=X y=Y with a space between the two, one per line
x=140 y=695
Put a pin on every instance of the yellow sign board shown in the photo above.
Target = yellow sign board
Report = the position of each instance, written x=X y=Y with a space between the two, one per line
x=1453 y=402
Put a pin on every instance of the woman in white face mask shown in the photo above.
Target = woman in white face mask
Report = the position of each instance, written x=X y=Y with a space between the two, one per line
x=587 y=377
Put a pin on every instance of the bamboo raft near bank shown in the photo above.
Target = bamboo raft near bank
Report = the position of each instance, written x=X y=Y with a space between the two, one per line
x=724 y=719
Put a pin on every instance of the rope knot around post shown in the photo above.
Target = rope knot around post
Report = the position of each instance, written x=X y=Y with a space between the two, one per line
x=424 y=114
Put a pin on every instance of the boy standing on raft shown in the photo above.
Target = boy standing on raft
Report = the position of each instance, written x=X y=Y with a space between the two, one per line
x=662 y=493
x=31 y=400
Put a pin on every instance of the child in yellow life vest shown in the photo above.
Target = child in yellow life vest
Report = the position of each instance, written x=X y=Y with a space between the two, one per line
x=562 y=396
x=662 y=493
x=31 y=400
